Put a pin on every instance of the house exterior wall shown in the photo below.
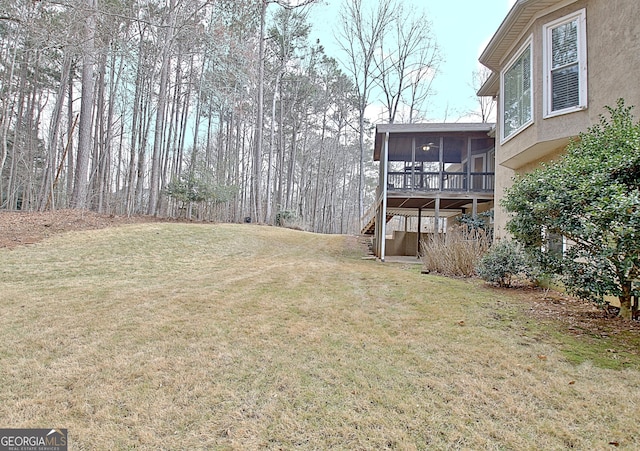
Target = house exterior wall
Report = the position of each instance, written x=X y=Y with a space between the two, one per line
x=613 y=65
x=402 y=243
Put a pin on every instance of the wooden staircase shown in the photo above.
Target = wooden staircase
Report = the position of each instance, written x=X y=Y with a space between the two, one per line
x=370 y=225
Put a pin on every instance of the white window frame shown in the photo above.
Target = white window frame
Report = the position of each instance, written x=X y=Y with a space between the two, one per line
x=580 y=17
x=546 y=238
x=527 y=46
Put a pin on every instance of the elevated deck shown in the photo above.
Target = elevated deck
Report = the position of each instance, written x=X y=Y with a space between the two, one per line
x=430 y=170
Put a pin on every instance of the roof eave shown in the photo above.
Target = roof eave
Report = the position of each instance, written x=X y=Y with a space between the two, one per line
x=444 y=128
x=511 y=28
x=491 y=86
x=434 y=127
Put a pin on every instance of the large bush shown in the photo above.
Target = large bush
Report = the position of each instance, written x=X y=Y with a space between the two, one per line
x=591 y=196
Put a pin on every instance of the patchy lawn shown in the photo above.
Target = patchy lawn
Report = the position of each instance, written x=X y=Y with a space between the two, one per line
x=200 y=336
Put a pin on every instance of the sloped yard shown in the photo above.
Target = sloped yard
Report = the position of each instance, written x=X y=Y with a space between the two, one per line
x=196 y=336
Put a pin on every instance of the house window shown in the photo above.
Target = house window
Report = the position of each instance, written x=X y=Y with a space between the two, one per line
x=517 y=106
x=565 y=65
x=553 y=243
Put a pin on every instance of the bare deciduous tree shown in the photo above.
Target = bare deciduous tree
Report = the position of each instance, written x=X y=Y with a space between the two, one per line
x=81 y=176
x=406 y=62
x=486 y=105
x=359 y=36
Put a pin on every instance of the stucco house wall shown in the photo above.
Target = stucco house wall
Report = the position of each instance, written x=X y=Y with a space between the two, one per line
x=613 y=65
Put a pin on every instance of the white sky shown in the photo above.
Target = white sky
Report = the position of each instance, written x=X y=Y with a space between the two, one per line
x=462 y=29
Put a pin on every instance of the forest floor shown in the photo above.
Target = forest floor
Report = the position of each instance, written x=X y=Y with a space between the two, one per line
x=24 y=228
x=21 y=228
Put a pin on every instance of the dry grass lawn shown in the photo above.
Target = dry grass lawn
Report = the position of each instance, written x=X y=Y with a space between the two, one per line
x=187 y=336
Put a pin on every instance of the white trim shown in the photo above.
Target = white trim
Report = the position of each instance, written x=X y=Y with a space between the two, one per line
x=581 y=17
x=527 y=43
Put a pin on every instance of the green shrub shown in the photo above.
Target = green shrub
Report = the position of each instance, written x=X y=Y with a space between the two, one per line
x=284 y=218
x=590 y=196
x=502 y=263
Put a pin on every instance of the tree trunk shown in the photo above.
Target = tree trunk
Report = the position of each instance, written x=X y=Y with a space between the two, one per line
x=276 y=90
x=136 y=121
x=625 y=299
x=47 y=198
x=80 y=182
x=72 y=122
x=100 y=145
x=320 y=156
x=257 y=157
x=5 y=119
x=154 y=183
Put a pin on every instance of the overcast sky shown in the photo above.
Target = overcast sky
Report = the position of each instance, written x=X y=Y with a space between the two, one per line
x=462 y=29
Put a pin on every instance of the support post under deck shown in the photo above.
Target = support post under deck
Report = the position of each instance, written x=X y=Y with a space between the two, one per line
x=419 y=231
x=385 y=181
x=436 y=219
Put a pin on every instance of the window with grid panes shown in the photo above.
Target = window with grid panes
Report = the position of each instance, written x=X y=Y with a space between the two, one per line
x=565 y=65
x=517 y=100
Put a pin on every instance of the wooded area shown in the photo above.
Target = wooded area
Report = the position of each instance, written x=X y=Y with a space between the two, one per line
x=210 y=109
